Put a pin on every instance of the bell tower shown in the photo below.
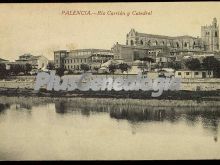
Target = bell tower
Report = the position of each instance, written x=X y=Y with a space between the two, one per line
x=210 y=36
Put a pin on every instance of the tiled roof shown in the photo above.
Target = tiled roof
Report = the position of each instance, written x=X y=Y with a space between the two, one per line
x=163 y=36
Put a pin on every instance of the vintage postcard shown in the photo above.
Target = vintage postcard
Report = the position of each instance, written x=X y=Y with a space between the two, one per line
x=109 y=81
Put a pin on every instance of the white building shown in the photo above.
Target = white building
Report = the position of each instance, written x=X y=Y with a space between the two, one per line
x=193 y=74
x=37 y=62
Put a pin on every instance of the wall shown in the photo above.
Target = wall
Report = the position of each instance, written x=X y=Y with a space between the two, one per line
x=200 y=84
x=186 y=84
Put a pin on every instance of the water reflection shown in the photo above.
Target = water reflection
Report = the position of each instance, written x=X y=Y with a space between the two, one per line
x=55 y=128
x=191 y=115
x=209 y=116
x=4 y=107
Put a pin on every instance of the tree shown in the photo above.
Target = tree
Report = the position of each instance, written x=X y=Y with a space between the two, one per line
x=193 y=64
x=211 y=63
x=174 y=65
x=3 y=71
x=84 y=67
x=16 y=69
x=60 y=71
x=96 y=68
x=123 y=67
x=27 y=68
x=50 y=66
x=112 y=68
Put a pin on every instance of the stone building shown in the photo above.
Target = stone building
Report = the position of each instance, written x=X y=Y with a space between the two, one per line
x=72 y=60
x=135 y=38
x=37 y=62
x=132 y=53
x=59 y=58
x=210 y=35
x=209 y=40
x=139 y=45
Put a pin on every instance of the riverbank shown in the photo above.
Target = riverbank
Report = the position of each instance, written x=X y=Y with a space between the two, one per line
x=143 y=95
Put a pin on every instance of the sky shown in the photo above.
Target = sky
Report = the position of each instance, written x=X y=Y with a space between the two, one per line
x=40 y=29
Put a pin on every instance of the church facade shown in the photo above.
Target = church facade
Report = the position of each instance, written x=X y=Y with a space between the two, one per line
x=140 y=45
x=209 y=40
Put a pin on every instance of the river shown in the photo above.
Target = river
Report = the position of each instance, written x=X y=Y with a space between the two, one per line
x=66 y=129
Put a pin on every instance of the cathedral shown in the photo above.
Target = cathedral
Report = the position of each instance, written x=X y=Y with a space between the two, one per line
x=209 y=40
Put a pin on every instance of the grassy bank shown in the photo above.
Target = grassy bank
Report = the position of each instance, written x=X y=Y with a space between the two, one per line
x=166 y=95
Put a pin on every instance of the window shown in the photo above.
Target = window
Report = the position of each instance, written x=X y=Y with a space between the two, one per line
x=196 y=73
x=194 y=44
x=216 y=34
x=187 y=73
x=209 y=73
x=177 y=45
x=132 y=42
x=142 y=43
x=179 y=73
x=185 y=44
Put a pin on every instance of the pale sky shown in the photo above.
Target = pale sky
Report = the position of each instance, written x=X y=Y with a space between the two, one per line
x=42 y=29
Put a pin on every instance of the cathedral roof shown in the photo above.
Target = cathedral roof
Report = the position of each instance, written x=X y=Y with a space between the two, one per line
x=164 y=37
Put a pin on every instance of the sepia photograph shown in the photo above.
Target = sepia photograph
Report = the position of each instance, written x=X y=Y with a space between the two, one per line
x=109 y=81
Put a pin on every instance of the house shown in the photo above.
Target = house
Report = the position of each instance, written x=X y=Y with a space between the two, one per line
x=3 y=60
x=37 y=62
x=194 y=74
x=72 y=60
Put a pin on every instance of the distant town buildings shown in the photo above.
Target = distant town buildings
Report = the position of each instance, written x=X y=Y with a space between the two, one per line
x=141 y=52
x=37 y=62
x=72 y=60
x=140 y=45
x=132 y=53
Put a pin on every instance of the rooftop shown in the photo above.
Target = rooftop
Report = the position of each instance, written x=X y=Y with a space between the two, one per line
x=3 y=59
x=90 y=50
x=164 y=37
x=141 y=47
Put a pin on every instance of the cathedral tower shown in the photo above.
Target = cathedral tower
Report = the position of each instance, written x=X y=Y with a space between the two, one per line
x=210 y=36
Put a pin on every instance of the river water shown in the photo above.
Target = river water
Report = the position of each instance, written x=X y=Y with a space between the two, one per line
x=41 y=129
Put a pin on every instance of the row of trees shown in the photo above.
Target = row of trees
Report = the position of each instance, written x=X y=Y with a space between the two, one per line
x=60 y=71
x=14 y=69
x=85 y=67
x=123 y=67
x=208 y=63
